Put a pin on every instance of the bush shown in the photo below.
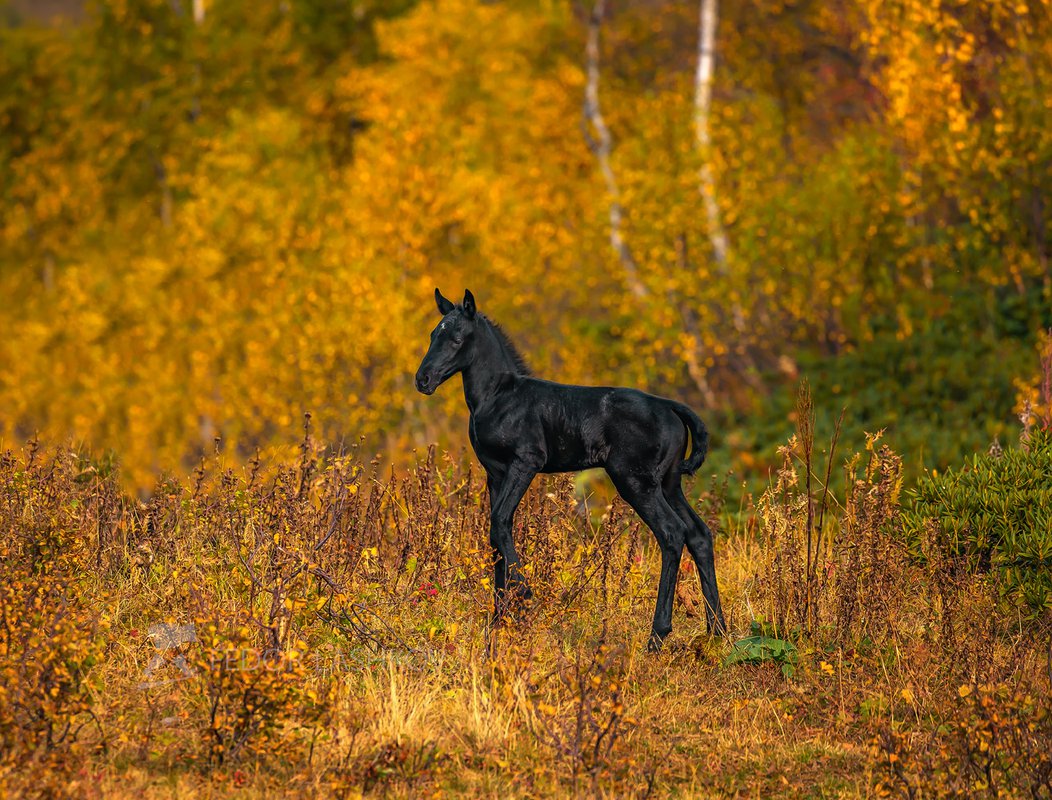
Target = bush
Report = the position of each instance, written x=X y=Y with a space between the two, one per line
x=49 y=641
x=996 y=514
x=52 y=635
x=995 y=744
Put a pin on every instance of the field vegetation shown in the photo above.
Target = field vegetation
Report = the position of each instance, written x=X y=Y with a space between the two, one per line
x=320 y=628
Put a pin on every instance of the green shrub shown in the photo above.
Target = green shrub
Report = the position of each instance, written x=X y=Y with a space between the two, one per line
x=916 y=389
x=996 y=514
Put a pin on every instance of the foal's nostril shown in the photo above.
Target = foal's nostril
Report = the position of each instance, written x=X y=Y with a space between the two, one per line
x=422 y=382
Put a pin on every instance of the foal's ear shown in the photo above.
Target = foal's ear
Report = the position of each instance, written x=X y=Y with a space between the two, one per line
x=469 y=303
x=444 y=306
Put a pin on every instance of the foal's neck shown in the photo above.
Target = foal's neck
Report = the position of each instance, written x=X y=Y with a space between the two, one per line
x=491 y=361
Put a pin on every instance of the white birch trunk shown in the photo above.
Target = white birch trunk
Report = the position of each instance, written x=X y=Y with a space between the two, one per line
x=600 y=146
x=707 y=22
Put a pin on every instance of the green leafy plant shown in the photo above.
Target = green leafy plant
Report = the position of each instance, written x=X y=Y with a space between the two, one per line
x=760 y=648
x=996 y=514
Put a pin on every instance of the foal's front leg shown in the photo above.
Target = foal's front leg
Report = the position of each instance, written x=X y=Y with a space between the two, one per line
x=505 y=494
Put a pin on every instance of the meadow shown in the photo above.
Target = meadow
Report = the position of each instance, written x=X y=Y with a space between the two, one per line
x=320 y=628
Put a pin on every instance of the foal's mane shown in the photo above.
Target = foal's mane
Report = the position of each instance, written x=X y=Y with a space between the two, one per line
x=521 y=367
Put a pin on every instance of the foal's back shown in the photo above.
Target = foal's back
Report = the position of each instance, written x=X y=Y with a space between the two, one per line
x=580 y=427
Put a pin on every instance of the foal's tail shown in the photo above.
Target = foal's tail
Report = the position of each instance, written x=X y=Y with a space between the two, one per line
x=699 y=434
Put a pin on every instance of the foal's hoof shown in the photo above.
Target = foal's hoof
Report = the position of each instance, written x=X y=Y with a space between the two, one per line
x=514 y=602
x=655 y=643
x=717 y=627
x=517 y=597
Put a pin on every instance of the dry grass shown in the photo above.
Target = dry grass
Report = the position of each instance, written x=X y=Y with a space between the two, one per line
x=340 y=645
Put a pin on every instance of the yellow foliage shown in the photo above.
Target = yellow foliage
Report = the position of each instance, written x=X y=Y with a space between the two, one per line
x=207 y=232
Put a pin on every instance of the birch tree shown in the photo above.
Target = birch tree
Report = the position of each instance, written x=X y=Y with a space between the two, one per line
x=600 y=145
x=707 y=22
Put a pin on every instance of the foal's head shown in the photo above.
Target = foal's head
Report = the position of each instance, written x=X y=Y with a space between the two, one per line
x=451 y=343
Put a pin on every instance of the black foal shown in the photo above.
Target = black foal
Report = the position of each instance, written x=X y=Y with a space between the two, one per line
x=521 y=425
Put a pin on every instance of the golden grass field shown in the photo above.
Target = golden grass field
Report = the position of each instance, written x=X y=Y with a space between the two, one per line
x=339 y=643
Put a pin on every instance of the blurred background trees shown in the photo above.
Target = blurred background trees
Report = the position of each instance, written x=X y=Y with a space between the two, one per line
x=211 y=224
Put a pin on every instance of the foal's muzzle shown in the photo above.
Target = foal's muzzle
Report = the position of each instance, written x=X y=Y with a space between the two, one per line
x=426 y=384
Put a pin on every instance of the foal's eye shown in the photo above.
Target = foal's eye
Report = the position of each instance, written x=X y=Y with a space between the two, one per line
x=458 y=340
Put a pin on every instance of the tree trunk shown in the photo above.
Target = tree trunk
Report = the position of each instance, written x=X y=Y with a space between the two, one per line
x=600 y=147
x=707 y=22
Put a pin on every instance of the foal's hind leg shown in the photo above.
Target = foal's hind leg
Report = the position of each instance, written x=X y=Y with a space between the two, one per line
x=644 y=494
x=699 y=543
